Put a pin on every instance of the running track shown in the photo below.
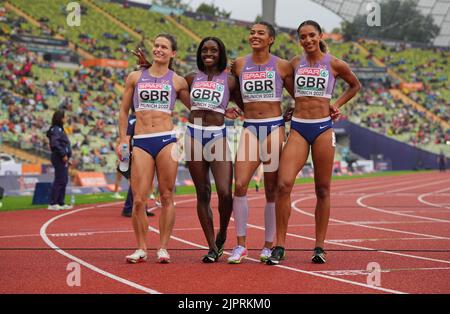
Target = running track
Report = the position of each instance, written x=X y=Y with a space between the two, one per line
x=399 y=222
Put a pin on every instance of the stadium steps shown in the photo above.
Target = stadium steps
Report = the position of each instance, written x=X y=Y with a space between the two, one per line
x=399 y=94
x=83 y=53
x=122 y=25
x=186 y=30
x=396 y=93
x=10 y=7
x=23 y=155
x=118 y=22
x=378 y=62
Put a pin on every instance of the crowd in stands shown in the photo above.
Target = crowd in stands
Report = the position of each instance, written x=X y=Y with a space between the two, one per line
x=377 y=109
x=31 y=88
x=428 y=66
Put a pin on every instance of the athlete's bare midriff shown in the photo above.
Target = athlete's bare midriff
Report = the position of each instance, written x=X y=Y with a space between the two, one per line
x=206 y=118
x=311 y=108
x=262 y=110
x=148 y=122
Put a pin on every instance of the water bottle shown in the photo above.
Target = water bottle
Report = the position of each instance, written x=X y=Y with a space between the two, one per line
x=125 y=162
x=72 y=200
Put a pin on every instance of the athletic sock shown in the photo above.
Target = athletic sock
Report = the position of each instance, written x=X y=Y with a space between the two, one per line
x=240 y=213
x=269 y=221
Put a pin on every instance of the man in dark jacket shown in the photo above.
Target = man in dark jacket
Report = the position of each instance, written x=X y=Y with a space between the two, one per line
x=60 y=158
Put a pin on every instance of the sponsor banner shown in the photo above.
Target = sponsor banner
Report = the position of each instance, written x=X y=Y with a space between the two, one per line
x=37 y=40
x=12 y=169
x=333 y=36
x=411 y=86
x=90 y=179
x=30 y=169
x=370 y=72
x=105 y=63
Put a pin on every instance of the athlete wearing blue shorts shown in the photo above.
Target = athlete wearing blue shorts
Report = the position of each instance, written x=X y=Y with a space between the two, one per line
x=153 y=93
x=311 y=127
x=262 y=77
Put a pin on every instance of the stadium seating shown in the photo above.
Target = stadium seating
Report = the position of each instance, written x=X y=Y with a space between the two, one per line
x=27 y=101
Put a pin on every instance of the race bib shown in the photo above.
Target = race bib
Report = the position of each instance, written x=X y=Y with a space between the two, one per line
x=207 y=95
x=258 y=86
x=154 y=96
x=311 y=82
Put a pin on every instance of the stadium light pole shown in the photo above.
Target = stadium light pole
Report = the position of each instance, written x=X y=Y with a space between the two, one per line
x=268 y=10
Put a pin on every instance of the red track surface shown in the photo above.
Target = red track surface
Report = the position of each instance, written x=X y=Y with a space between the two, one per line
x=390 y=214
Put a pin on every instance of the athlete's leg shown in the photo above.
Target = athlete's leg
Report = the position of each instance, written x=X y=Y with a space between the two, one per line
x=247 y=161
x=199 y=170
x=142 y=171
x=323 y=156
x=222 y=170
x=166 y=170
x=293 y=158
x=270 y=154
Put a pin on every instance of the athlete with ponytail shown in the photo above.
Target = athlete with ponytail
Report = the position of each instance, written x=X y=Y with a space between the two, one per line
x=153 y=92
x=311 y=127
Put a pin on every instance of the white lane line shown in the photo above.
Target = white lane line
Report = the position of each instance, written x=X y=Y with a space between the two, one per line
x=370 y=227
x=364 y=272
x=363 y=225
x=380 y=239
x=360 y=247
x=130 y=283
x=292 y=268
x=84 y=263
x=359 y=201
x=422 y=196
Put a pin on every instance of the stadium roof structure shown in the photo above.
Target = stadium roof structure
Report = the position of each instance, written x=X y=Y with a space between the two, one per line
x=439 y=9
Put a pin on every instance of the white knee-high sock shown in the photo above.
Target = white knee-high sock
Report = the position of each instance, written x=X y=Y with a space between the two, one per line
x=240 y=213
x=269 y=221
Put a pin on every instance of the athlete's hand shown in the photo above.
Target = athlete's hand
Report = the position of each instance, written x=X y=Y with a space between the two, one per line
x=119 y=149
x=287 y=116
x=232 y=113
x=142 y=61
x=335 y=113
x=232 y=67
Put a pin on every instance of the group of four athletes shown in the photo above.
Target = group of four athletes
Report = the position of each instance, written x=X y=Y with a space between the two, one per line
x=255 y=83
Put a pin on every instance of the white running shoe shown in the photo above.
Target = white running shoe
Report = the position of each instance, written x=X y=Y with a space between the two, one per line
x=158 y=203
x=117 y=196
x=138 y=256
x=65 y=207
x=265 y=254
x=54 y=207
x=163 y=256
x=238 y=254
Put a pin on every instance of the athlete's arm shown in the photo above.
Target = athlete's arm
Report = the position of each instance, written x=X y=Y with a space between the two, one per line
x=235 y=91
x=125 y=105
x=343 y=70
x=236 y=66
x=142 y=60
x=287 y=74
x=182 y=89
x=189 y=79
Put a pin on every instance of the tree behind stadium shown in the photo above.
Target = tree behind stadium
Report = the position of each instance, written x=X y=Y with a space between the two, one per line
x=400 y=20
